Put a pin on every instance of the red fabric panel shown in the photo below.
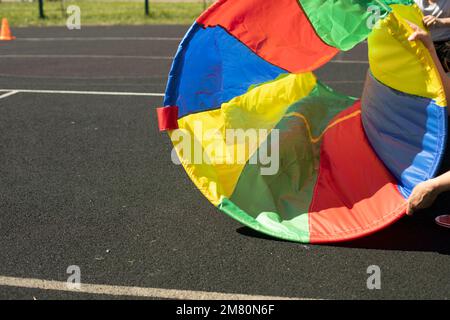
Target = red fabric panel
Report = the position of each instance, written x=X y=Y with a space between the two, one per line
x=355 y=194
x=167 y=118
x=278 y=31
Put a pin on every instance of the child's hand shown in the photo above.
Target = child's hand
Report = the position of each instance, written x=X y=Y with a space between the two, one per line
x=420 y=34
x=423 y=196
x=430 y=20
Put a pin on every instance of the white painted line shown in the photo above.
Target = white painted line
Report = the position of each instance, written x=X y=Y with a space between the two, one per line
x=8 y=94
x=106 y=93
x=131 y=291
x=102 y=39
x=81 y=56
x=343 y=81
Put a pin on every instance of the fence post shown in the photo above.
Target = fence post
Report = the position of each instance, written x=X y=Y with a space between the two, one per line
x=41 y=9
x=147 y=8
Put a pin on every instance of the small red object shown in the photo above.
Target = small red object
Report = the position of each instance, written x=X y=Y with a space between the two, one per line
x=443 y=221
x=167 y=118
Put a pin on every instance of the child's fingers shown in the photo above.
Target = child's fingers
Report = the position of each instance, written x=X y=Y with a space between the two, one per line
x=412 y=25
x=409 y=209
x=429 y=20
x=413 y=36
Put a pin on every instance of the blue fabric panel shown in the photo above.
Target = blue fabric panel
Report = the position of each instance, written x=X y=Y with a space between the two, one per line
x=407 y=132
x=212 y=67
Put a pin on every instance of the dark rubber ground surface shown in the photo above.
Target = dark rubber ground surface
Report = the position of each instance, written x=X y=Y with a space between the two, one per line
x=80 y=175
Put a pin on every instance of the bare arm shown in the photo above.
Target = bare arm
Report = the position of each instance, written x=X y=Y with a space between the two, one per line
x=432 y=20
x=445 y=79
x=443 y=182
x=444 y=21
x=422 y=35
x=425 y=193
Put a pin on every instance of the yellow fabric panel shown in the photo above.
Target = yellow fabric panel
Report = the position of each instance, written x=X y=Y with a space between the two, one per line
x=260 y=108
x=402 y=64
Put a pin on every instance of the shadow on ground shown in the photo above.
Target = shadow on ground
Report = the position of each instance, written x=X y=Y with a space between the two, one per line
x=417 y=233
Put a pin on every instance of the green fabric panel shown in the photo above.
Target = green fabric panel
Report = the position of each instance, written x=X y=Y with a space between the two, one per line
x=272 y=227
x=343 y=23
x=280 y=202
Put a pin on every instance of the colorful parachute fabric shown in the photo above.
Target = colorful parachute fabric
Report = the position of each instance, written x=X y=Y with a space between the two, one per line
x=346 y=166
